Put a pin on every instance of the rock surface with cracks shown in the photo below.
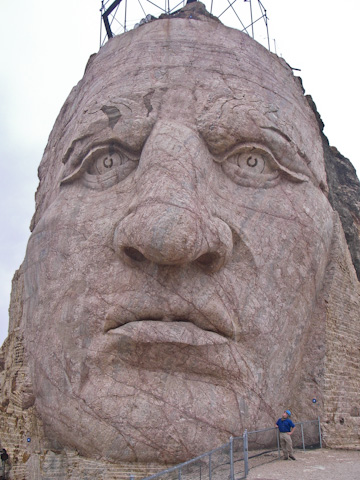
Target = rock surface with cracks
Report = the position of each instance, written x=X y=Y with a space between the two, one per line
x=186 y=276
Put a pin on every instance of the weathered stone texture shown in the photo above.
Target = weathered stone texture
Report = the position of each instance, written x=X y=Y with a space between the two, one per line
x=344 y=196
x=341 y=419
x=344 y=192
x=186 y=276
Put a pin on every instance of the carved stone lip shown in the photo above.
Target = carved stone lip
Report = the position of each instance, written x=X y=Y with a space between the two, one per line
x=157 y=320
x=160 y=332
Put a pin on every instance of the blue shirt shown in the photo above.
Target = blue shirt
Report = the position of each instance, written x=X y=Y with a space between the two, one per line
x=285 y=425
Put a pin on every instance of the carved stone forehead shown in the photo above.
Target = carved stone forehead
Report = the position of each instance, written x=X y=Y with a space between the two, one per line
x=216 y=79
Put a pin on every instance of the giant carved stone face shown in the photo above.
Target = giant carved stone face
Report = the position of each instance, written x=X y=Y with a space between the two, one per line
x=180 y=246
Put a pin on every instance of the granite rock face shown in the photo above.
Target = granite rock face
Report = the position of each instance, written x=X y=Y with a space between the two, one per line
x=344 y=192
x=344 y=196
x=184 y=256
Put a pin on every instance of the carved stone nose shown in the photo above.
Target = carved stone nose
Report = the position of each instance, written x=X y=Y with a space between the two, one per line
x=171 y=235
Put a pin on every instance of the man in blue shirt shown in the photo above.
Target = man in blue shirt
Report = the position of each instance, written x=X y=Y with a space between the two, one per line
x=286 y=429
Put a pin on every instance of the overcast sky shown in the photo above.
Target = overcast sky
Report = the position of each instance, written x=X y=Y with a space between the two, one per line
x=45 y=46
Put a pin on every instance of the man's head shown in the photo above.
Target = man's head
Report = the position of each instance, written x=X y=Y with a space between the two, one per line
x=179 y=245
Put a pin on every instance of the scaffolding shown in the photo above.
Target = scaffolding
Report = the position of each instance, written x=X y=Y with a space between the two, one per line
x=119 y=16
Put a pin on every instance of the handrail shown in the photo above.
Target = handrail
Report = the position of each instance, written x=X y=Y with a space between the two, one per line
x=188 y=462
x=229 y=445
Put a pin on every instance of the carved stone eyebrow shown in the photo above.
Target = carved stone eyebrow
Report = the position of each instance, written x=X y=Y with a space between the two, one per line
x=278 y=131
x=72 y=147
x=306 y=162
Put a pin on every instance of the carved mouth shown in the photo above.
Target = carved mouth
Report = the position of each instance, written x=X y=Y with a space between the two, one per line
x=198 y=328
x=171 y=335
x=175 y=332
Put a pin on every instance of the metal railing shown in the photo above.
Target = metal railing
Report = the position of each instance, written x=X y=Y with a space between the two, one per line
x=263 y=446
x=234 y=459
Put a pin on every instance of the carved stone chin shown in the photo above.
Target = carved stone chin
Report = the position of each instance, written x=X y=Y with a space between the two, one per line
x=176 y=278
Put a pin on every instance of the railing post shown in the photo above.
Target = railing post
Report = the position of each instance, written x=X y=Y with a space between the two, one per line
x=302 y=436
x=231 y=458
x=230 y=445
x=209 y=466
x=246 y=453
x=320 y=439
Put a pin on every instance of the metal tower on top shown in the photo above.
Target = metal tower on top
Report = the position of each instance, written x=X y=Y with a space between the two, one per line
x=119 y=16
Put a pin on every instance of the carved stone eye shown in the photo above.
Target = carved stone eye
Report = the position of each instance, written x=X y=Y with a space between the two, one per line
x=253 y=162
x=252 y=166
x=108 y=162
x=105 y=162
x=103 y=166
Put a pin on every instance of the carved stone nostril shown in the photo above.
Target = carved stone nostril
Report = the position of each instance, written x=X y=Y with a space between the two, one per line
x=207 y=259
x=134 y=254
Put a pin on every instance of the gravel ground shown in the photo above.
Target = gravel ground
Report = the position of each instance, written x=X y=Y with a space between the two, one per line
x=322 y=464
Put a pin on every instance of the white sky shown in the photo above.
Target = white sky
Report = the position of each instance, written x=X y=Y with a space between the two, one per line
x=45 y=46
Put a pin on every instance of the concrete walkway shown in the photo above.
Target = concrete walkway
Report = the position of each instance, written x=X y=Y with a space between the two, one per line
x=322 y=464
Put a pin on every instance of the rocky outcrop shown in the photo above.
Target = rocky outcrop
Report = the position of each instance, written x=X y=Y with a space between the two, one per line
x=344 y=196
x=344 y=192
